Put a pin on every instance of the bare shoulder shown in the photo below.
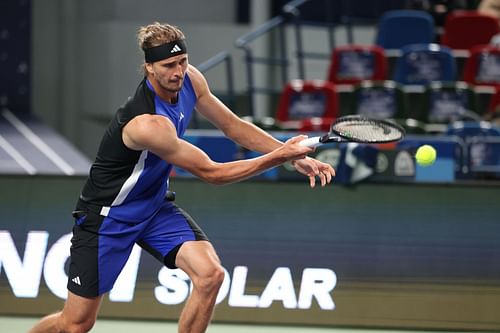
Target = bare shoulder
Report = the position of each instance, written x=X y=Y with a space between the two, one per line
x=145 y=130
x=148 y=122
x=198 y=80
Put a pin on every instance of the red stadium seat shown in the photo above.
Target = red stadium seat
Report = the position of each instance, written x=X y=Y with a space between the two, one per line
x=482 y=67
x=494 y=104
x=466 y=29
x=352 y=64
x=307 y=105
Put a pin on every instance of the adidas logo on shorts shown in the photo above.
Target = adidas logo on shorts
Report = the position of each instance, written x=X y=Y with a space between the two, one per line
x=76 y=280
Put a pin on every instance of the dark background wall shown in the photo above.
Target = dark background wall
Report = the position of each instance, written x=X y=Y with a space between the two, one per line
x=15 y=55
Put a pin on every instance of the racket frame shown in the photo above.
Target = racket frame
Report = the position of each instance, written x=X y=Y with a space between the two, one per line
x=335 y=136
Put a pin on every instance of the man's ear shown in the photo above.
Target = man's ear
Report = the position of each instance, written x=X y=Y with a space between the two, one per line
x=149 y=67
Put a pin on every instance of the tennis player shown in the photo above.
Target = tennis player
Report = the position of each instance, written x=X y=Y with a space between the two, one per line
x=123 y=201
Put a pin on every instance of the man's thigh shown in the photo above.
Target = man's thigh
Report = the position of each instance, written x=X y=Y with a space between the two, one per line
x=100 y=247
x=166 y=233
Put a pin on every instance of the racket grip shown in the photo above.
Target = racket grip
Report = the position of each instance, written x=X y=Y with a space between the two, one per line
x=311 y=142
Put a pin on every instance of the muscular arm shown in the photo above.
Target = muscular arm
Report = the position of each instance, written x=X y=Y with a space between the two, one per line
x=247 y=134
x=158 y=135
x=240 y=131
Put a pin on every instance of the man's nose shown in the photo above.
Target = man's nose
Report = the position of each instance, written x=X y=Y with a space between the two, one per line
x=179 y=70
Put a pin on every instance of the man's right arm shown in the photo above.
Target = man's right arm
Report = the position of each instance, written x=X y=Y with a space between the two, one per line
x=158 y=135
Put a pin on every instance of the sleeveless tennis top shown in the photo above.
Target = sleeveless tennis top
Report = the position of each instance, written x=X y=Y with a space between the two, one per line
x=126 y=184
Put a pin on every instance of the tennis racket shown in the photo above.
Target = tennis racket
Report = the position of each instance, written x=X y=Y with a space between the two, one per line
x=358 y=129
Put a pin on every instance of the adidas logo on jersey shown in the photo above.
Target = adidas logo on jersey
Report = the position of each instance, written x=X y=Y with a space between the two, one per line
x=76 y=280
x=176 y=48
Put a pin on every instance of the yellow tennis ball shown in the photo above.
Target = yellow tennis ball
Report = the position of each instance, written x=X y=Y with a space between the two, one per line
x=426 y=155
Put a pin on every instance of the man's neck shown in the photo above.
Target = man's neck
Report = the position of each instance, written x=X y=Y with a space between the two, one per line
x=165 y=95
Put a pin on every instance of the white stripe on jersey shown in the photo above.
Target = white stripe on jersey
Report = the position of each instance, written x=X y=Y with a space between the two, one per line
x=129 y=183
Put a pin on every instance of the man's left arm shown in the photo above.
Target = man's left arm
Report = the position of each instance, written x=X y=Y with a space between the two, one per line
x=250 y=136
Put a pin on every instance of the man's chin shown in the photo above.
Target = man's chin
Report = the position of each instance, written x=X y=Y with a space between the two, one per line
x=174 y=88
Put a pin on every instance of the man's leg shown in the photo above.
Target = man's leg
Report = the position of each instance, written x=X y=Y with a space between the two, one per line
x=199 y=260
x=78 y=315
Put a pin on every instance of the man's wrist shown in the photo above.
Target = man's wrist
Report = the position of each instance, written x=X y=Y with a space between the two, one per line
x=294 y=162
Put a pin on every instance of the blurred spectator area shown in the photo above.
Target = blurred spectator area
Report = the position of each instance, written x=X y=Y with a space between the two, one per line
x=431 y=66
x=15 y=34
x=354 y=68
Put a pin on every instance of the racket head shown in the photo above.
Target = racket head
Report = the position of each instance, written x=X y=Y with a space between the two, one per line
x=356 y=128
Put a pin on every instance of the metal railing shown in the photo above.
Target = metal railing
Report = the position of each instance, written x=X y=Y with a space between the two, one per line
x=291 y=14
x=222 y=57
x=225 y=58
x=292 y=9
x=244 y=43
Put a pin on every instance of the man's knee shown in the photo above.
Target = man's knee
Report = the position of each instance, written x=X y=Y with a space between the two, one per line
x=69 y=325
x=211 y=279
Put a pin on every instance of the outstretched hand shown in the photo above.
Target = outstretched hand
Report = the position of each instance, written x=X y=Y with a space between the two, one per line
x=314 y=168
x=293 y=150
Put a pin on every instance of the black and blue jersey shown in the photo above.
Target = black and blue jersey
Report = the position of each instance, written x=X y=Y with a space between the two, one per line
x=123 y=201
x=128 y=184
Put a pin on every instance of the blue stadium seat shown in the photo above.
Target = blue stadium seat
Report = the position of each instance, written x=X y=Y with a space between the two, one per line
x=398 y=28
x=467 y=130
x=482 y=142
x=421 y=64
x=483 y=157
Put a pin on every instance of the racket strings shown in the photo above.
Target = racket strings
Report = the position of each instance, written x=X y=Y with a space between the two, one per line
x=367 y=131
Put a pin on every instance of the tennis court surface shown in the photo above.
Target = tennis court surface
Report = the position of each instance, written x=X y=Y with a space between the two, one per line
x=22 y=324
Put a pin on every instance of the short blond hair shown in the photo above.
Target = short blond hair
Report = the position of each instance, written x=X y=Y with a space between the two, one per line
x=157 y=34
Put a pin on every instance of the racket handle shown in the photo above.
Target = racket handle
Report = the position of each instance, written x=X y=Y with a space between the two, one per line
x=311 y=142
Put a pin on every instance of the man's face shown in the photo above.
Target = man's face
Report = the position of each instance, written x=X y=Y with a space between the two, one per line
x=169 y=73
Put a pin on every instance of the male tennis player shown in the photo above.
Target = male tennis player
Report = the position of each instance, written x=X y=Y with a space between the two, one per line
x=123 y=201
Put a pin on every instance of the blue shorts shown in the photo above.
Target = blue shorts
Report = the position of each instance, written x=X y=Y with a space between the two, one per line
x=100 y=245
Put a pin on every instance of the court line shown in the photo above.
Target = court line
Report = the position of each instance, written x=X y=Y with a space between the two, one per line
x=30 y=169
x=39 y=143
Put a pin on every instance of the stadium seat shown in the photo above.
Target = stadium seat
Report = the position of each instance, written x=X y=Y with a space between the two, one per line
x=494 y=104
x=482 y=67
x=424 y=63
x=482 y=141
x=447 y=102
x=495 y=40
x=465 y=29
x=307 y=105
x=467 y=130
x=379 y=99
x=353 y=63
x=483 y=156
x=397 y=28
